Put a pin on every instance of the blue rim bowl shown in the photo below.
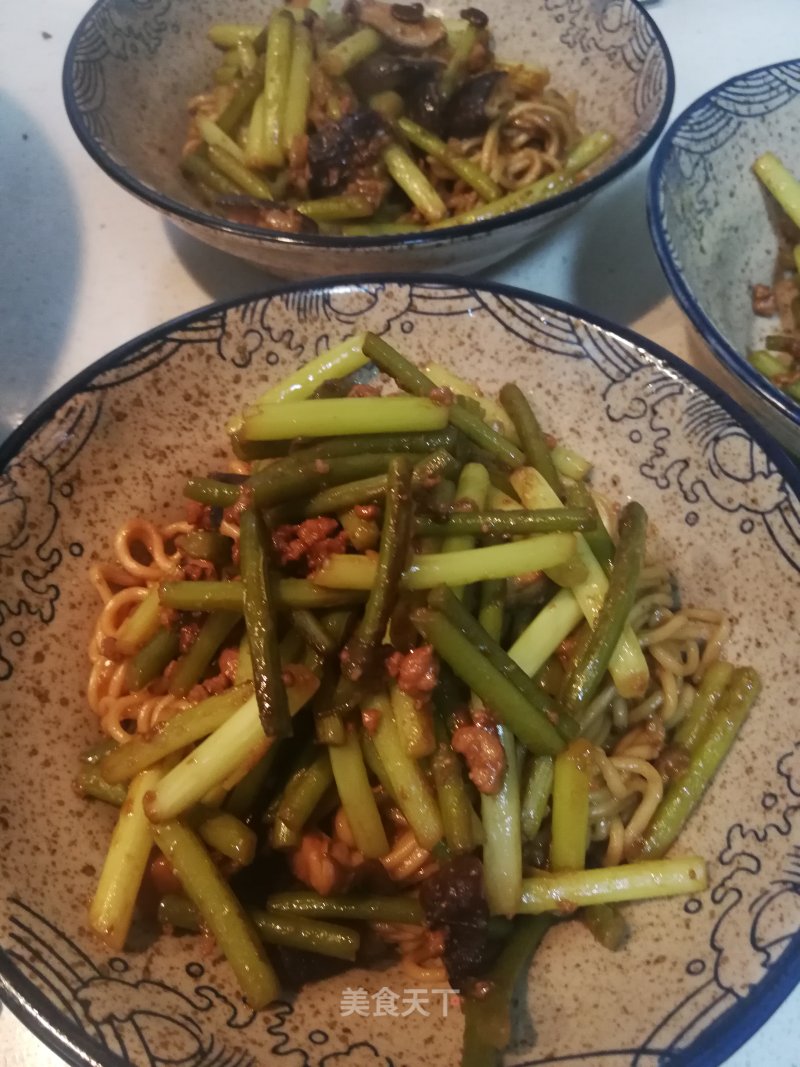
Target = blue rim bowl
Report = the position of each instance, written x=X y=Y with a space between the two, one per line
x=618 y=34
x=701 y=196
x=688 y=451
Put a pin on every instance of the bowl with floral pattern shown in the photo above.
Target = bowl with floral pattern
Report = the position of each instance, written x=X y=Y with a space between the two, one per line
x=713 y=226
x=698 y=974
x=132 y=68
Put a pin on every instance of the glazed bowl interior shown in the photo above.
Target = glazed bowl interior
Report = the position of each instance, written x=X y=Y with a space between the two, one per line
x=697 y=976
x=711 y=221
x=131 y=69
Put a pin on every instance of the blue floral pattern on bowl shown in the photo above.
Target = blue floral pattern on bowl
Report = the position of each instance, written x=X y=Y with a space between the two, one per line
x=120 y=438
x=710 y=224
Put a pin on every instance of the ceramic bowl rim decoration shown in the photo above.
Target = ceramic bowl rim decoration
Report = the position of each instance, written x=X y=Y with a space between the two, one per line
x=721 y=347
x=187 y=213
x=733 y=1026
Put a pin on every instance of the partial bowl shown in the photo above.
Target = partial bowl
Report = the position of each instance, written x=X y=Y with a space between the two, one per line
x=131 y=68
x=697 y=977
x=711 y=228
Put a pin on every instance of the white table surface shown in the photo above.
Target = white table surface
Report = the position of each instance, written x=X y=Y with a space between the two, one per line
x=85 y=267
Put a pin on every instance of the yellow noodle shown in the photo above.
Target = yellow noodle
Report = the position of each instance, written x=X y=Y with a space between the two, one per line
x=669 y=688
x=145 y=534
x=616 y=843
x=647 y=781
x=106 y=680
x=104 y=575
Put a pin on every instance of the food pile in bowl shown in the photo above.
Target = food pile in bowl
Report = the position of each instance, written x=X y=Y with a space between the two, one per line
x=419 y=657
x=322 y=139
x=399 y=682
x=378 y=119
x=722 y=207
x=779 y=359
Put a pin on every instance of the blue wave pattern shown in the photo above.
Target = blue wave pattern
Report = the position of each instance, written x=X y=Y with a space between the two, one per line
x=617 y=29
x=117 y=30
x=710 y=127
x=683 y=440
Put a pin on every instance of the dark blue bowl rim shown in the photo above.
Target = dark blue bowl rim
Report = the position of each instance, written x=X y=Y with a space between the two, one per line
x=731 y=359
x=735 y=1026
x=426 y=238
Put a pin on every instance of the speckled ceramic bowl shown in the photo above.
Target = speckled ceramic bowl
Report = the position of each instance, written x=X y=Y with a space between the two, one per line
x=710 y=225
x=697 y=977
x=131 y=68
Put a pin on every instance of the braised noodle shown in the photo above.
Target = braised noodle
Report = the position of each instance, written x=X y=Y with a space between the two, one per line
x=362 y=141
x=626 y=748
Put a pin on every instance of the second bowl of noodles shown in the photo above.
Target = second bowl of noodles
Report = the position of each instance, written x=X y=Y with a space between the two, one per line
x=343 y=160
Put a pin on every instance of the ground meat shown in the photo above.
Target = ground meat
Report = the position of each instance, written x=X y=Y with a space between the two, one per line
x=371 y=717
x=785 y=380
x=763 y=301
x=367 y=512
x=416 y=673
x=313 y=539
x=229 y=663
x=234 y=512
x=369 y=185
x=298 y=164
x=362 y=389
x=566 y=650
x=672 y=762
x=108 y=648
x=443 y=396
x=485 y=756
x=218 y=684
x=785 y=290
x=197 y=570
x=527 y=578
x=198 y=515
x=462 y=200
x=314 y=865
x=161 y=877
x=187 y=635
x=463 y=505
x=484 y=718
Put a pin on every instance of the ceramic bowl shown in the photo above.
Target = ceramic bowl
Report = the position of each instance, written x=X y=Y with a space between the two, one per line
x=131 y=68
x=698 y=975
x=710 y=224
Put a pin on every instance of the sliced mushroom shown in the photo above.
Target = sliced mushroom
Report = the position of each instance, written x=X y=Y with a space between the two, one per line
x=417 y=34
x=383 y=71
x=477 y=103
x=426 y=103
x=339 y=149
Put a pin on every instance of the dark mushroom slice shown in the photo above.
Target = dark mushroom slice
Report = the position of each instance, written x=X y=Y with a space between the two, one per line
x=408 y=12
x=426 y=104
x=477 y=103
x=339 y=149
x=384 y=72
x=475 y=17
x=408 y=31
